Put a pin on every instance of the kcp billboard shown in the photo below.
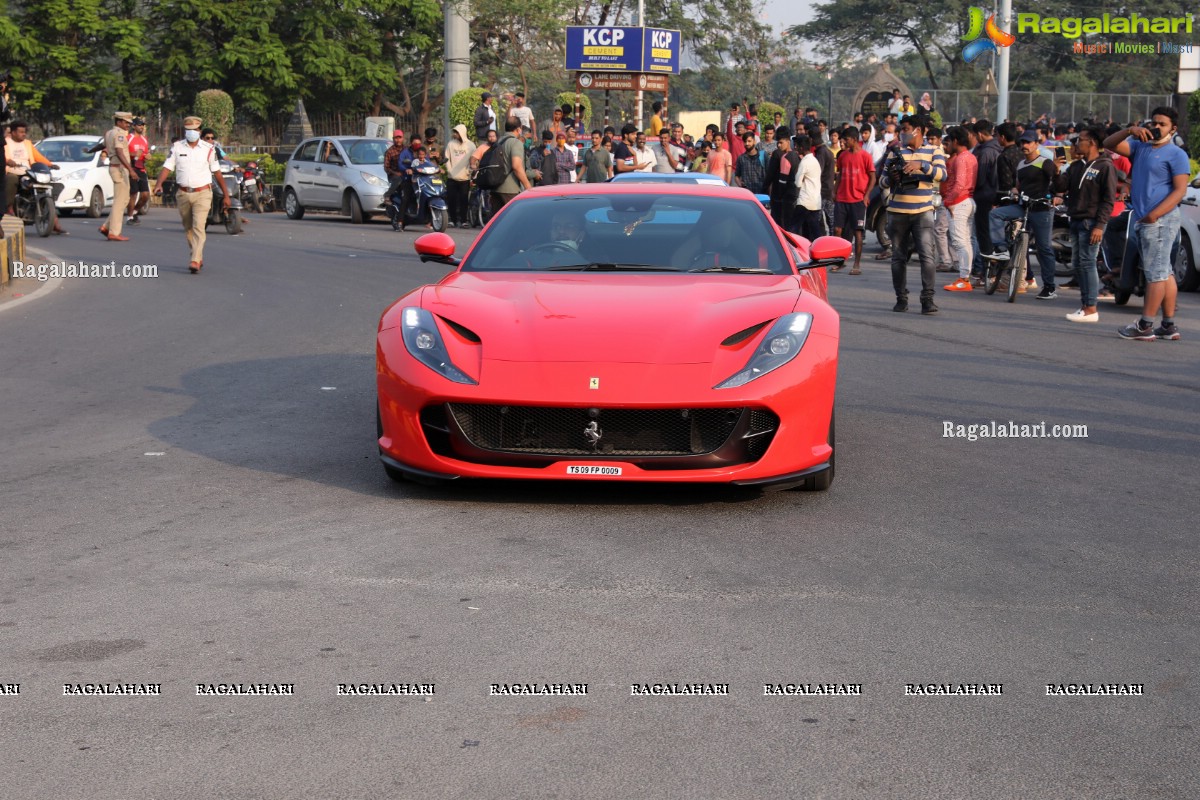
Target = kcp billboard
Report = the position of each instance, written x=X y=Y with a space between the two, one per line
x=617 y=49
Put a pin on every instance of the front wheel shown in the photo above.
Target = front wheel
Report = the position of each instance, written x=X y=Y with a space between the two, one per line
x=437 y=218
x=44 y=215
x=356 y=210
x=1061 y=244
x=1019 y=259
x=291 y=204
x=233 y=222
x=95 y=205
x=823 y=480
x=994 y=275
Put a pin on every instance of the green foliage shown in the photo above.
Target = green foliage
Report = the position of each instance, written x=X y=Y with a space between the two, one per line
x=462 y=108
x=767 y=111
x=568 y=98
x=272 y=169
x=215 y=107
x=1193 y=115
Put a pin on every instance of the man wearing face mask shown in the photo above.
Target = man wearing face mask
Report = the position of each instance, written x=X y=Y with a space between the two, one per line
x=195 y=165
x=1157 y=185
x=910 y=209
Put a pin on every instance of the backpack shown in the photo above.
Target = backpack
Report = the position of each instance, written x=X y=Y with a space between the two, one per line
x=493 y=167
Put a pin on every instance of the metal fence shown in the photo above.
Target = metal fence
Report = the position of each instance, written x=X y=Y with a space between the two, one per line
x=957 y=104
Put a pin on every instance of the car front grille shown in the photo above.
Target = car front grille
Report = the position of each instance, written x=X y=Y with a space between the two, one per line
x=655 y=438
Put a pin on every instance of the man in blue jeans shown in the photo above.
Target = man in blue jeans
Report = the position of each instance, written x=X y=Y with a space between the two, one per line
x=1091 y=191
x=1037 y=177
x=1158 y=184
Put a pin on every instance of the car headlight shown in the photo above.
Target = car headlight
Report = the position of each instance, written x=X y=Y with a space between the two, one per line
x=77 y=175
x=374 y=180
x=781 y=344
x=424 y=343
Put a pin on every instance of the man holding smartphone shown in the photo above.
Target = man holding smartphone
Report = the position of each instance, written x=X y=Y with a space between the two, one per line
x=1158 y=184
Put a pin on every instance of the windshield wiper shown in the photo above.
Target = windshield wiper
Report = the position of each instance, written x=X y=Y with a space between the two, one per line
x=745 y=270
x=608 y=266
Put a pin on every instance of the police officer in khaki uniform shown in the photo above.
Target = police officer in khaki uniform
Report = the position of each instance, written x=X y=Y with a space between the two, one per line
x=195 y=165
x=120 y=169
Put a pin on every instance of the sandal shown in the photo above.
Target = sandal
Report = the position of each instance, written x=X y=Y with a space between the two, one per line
x=838 y=268
x=855 y=272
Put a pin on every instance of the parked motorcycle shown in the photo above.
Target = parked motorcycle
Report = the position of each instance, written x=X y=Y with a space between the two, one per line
x=1060 y=242
x=35 y=199
x=255 y=195
x=232 y=220
x=429 y=189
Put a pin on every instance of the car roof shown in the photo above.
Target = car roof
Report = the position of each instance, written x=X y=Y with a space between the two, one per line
x=84 y=137
x=669 y=177
x=633 y=187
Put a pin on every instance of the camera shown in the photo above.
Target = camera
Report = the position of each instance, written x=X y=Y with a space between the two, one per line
x=898 y=179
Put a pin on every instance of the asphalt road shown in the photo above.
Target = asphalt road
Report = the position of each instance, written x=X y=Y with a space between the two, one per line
x=191 y=495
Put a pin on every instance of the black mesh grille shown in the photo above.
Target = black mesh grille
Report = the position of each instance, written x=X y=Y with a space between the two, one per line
x=620 y=431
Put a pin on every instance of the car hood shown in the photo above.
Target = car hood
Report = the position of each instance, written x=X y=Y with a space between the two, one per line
x=616 y=317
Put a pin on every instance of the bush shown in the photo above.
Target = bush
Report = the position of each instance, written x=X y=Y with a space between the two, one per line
x=463 y=105
x=1193 y=113
x=215 y=107
x=272 y=169
x=569 y=99
x=767 y=112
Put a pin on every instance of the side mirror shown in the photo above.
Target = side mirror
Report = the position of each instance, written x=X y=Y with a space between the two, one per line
x=437 y=247
x=828 y=251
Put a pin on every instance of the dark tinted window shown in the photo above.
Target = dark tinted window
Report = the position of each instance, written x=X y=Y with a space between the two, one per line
x=675 y=232
x=306 y=151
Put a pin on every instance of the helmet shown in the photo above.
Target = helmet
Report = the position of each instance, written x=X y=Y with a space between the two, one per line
x=139 y=121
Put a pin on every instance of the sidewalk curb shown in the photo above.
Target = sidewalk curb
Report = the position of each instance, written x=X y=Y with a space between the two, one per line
x=44 y=287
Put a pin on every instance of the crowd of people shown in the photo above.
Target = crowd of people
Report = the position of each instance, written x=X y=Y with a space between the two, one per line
x=947 y=193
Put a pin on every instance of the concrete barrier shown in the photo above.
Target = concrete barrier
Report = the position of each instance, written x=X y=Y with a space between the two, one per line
x=12 y=246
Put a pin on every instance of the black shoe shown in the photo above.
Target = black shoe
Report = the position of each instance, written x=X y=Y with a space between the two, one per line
x=1047 y=293
x=1135 y=330
x=901 y=304
x=927 y=307
x=1168 y=333
x=396 y=226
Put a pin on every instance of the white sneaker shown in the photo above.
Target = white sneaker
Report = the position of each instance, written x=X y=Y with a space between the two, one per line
x=1079 y=315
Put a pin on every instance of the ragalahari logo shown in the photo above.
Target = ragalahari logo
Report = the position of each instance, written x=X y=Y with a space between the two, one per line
x=996 y=38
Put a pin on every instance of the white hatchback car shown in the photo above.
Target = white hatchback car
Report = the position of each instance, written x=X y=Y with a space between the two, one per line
x=83 y=176
x=1187 y=258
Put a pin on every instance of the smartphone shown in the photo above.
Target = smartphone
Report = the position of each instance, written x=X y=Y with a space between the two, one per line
x=1060 y=152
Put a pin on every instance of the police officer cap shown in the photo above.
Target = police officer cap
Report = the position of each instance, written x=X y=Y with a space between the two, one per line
x=192 y=123
x=123 y=115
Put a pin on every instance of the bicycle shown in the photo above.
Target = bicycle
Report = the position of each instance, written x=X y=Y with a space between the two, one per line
x=1016 y=232
x=479 y=207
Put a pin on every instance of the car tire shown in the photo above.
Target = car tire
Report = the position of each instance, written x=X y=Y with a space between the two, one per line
x=291 y=204
x=1186 y=276
x=357 y=217
x=95 y=205
x=1121 y=296
x=823 y=480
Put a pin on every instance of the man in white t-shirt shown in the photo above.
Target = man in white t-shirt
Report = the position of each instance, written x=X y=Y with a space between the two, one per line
x=645 y=155
x=522 y=112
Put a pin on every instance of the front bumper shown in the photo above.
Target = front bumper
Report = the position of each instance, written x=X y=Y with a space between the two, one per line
x=800 y=396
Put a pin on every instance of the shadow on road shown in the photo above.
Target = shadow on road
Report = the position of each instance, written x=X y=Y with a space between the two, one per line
x=313 y=418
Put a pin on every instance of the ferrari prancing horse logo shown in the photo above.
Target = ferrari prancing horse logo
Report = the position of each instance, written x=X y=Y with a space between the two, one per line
x=593 y=433
x=593 y=383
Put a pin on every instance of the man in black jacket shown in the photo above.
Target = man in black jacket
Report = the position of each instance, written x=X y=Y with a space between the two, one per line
x=825 y=158
x=1091 y=190
x=485 y=118
x=987 y=155
x=1010 y=158
x=780 y=180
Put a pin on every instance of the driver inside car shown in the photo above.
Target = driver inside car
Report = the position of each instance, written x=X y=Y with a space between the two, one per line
x=720 y=242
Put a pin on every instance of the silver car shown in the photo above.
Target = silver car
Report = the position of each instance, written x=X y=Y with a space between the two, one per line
x=336 y=173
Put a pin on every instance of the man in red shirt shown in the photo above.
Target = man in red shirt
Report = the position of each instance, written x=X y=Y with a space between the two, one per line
x=856 y=176
x=139 y=186
x=958 y=193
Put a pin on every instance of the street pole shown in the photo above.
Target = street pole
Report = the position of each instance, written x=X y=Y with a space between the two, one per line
x=641 y=24
x=1002 y=76
x=457 y=55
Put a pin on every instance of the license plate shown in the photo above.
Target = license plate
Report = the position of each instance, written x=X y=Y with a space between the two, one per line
x=436 y=181
x=590 y=469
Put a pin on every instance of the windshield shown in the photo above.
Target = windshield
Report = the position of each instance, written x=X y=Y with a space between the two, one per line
x=65 y=151
x=365 y=151
x=670 y=232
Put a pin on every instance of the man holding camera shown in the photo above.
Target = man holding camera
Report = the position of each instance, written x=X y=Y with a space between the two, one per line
x=911 y=173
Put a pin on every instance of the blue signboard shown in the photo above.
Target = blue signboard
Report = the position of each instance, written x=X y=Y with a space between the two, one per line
x=660 y=51
x=622 y=49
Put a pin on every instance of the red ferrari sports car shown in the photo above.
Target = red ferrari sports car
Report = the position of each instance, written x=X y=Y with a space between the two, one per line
x=616 y=332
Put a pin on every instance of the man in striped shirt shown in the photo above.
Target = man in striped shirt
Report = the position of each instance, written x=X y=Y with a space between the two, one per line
x=910 y=209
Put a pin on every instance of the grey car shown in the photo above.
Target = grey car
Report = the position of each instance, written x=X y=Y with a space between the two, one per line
x=343 y=174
